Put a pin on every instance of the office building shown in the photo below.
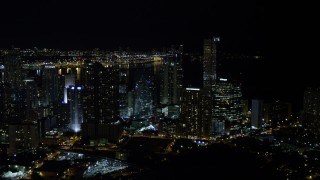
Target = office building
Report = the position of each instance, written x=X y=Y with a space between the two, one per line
x=227 y=105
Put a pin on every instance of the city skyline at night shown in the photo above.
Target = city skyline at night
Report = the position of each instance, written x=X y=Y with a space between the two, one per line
x=158 y=90
x=248 y=27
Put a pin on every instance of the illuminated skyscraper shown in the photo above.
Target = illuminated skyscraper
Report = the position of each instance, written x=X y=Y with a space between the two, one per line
x=101 y=93
x=69 y=81
x=13 y=72
x=195 y=113
x=2 y=69
x=100 y=101
x=30 y=92
x=227 y=105
x=13 y=76
x=4 y=98
x=123 y=89
x=143 y=98
x=257 y=113
x=3 y=104
x=171 y=79
x=76 y=113
x=49 y=85
x=66 y=80
x=311 y=110
x=210 y=61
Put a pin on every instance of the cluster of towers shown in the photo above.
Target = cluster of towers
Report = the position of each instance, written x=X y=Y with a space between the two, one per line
x=216 y=107
x=95 y=97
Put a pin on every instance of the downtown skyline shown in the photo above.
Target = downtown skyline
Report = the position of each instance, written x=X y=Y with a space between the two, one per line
x=248 y=27
x=159 y=90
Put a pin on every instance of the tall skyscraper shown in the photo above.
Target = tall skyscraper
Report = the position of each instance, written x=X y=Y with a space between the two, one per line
x=195 y=113
x=76 y=113
x=100 y=94
x=143 y=104
x=311 y=109
x=227 y=105
x=210 y=61
x=69 y=81
x=2 y=69
x=257 y=113
x=3 y=104
x=13 y=72
x=100 y=101
x=30 y=92
x=13 y=75
x=171 y=79
x=49 y=85
x=123 y=89
x=66 y=79
x=31 y=89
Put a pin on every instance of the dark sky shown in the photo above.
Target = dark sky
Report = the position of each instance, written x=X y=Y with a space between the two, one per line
x=284 y=33
x=135 y=23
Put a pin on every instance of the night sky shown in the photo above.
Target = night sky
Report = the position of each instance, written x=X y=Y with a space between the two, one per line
x=282 y=33
x=139 y=24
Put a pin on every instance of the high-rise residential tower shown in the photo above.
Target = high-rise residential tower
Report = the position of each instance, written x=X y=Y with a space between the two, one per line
x=100 y=95
x=195 y=113
x=171 y=79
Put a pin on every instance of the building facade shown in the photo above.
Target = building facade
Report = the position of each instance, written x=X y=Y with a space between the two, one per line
x=196 y=117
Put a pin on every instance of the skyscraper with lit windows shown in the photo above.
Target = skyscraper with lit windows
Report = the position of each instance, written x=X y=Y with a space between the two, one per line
x=123 y=89
x=13 y=74
x=195 y=113
x=171 y=79
x=3 y=104
x=227 y=106
x=30 y=102
x=210 y=61
x=100 y=100
x=257 y=114
x=49 y=85
x=76 y=113
x=100 y=96
x=69 y=81
x=2 y=73
x=311 y=109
